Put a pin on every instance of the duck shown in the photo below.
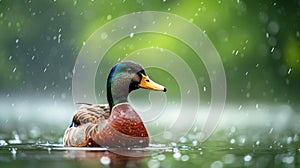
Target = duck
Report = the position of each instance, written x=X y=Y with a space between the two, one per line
x=116 y=124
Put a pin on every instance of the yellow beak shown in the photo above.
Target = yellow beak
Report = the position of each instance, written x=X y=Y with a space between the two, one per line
x=147 y=83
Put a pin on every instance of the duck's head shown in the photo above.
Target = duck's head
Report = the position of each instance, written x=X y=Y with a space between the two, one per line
x=125 y=77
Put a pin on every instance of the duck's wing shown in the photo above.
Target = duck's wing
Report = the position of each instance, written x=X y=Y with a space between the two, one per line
x=88 y=120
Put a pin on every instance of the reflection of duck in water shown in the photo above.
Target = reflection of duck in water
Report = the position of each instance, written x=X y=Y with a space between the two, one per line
x=116 y=124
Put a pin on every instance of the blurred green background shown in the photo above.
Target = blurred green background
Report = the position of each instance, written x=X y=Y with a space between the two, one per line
x=258 y=41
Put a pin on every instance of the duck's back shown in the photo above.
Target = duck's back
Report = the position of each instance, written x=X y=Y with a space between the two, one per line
x=88 y=120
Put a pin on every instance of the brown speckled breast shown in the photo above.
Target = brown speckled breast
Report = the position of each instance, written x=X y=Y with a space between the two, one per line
x=123 y=129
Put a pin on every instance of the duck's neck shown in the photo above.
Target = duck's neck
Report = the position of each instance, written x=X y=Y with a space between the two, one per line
x=117 y=93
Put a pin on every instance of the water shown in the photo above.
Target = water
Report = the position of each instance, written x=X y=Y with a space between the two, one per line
x=251 y=136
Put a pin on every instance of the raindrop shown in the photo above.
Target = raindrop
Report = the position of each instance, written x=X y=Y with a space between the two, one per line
x=256 y=106
x=164 y=0
x=271 y=130
x=188 y=91
x=257 y=142
x=10 y=58
x=104 y=35
x=108 y=17
x=267 y=35
x=105 y=160
x=58 y=39
x=240 y=107
x=134 y=27
x=236 y=52
x=14 y=70
x=204 y=89
x=17 y=41
x=33 y=57
x=289 y=71
x=272 y=49
x=131 y=35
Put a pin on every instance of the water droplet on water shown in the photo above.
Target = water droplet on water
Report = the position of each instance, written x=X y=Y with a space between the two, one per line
x=161 y=157
x=14 y=152
x=216 y=164
x=229 y=158
x=153 y=163
x=247 y=158
x=105 y=160
x=14 y=70
x=288 y=159
x=176 y=155
x=3 y=143
x=232 y=141
x=183 y=139
x=185 y=158
x=195 y=142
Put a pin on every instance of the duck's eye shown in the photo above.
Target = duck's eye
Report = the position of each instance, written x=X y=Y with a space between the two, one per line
x=147 y=80
x=129 y=70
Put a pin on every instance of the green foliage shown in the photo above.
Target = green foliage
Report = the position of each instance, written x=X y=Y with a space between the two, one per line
x=257 y=40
